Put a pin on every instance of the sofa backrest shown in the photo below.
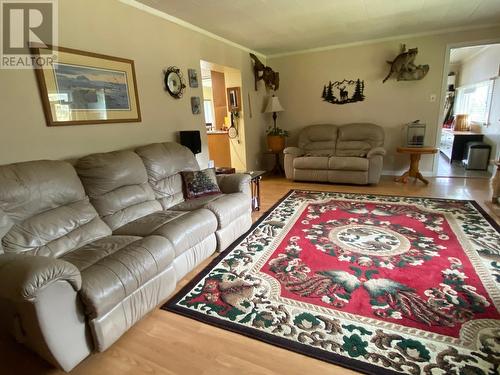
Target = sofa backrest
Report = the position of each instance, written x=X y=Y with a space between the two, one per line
x=358 y=139
x=318 y=140
x=164 y=162
x=44 y=210
x=117 y=184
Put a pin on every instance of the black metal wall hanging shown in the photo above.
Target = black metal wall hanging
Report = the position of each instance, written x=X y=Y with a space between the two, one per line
x=174 y=82
x=343 y=92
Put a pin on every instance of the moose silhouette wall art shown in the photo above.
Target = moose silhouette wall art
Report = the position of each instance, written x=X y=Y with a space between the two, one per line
x=343 y=92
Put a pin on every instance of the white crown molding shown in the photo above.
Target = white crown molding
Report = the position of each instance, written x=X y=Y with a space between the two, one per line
x=380 y=40
x=136 y=4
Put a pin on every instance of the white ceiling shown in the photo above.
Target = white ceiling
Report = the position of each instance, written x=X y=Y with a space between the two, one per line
x=460 y=55
x=280 y=26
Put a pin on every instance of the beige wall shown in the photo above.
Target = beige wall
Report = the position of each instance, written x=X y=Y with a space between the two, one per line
x=112 y=28
x=232 y=77
x=391 y=104
x=482 y=67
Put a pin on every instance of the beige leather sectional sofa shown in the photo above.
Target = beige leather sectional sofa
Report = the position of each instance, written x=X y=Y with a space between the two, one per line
x=351 y=154
x=87 y=251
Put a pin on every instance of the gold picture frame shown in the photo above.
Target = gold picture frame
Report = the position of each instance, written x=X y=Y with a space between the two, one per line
x=82 y=88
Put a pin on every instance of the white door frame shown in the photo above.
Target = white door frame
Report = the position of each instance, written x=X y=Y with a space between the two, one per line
x=444 y=86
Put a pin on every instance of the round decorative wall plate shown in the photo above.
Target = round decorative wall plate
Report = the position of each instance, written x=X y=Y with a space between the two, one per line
x=174 y=82
x=232 y=132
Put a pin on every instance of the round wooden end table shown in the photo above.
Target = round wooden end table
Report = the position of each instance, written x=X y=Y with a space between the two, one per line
x=415 y=154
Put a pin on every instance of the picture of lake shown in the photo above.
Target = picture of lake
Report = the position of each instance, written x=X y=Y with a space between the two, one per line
x=87 y=88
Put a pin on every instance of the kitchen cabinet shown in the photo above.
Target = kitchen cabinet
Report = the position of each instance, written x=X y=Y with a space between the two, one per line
x=453 y=143
x=219 y=148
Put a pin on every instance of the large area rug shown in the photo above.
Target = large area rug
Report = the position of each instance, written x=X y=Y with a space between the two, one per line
x=379 y=284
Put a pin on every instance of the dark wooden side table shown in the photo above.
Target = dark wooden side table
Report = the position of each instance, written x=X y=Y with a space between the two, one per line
x=277 y=169
x=413 y=171
x=255 y=176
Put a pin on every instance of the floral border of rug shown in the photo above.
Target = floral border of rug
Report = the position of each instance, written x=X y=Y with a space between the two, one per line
x=318 y=275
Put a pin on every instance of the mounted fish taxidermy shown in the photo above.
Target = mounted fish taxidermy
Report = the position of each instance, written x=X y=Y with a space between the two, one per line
x=338 y=92
x=404 y=68
x=265 y=73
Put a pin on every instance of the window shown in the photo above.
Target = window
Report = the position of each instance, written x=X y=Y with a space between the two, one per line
x=475 y=101
x=209 y=115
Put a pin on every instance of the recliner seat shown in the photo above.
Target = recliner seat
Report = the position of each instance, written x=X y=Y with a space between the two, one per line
x=351 y=153
x=62 y=267
x=232 y=208
x=117 y=184
x=81 y=263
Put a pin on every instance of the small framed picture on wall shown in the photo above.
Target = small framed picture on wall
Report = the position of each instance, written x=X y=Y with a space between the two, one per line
x=193 y=77
x=195 y=105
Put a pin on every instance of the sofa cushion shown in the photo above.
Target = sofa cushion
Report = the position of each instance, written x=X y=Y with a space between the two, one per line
x=226 y=207
x=200 y=183
x=230 y=207
x=146 y=225
x=318 y=140
x=44 y=210
x=183 y=229
x=358 y=139
x=57 y=231
x=189 y=229
x=164 y=162
x=347 y=163
x=311 y=162
x=116 y=266
x=117 y=184
x=353 y=148
x=196 y=203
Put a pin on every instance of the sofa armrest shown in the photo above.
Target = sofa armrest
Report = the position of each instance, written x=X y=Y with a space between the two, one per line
x=376 y=151
x=295 y=151
x=234 y=183
x=23 y=277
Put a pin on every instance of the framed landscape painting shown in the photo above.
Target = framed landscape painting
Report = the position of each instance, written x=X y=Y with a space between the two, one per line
x=81 y=88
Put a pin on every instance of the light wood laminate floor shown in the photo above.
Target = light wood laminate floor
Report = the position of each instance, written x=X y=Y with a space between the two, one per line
x=166 y=343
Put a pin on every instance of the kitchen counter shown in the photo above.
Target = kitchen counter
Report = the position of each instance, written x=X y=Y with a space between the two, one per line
x=453 y=143
x=451 y=131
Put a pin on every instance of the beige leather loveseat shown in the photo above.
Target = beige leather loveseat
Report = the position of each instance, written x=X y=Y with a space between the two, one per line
x=87 y=251
x=351 y=153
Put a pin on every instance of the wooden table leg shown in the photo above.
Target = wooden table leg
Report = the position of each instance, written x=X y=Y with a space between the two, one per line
x=421 y=178
x=413 y=171
x=403 y=178
x=495 y=185
x=255 y=184
x=277 y=170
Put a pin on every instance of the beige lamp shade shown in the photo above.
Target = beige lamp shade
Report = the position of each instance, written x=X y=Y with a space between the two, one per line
x=461 y=123
x=273 y=105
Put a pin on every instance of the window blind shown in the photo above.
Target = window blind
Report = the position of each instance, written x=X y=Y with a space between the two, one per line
x=475 y=101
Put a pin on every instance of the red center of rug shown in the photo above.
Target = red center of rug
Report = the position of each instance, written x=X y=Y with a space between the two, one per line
x=390 y=262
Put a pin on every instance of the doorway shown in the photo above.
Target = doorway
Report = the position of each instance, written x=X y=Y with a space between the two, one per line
x=469 y=136
x=224 y=115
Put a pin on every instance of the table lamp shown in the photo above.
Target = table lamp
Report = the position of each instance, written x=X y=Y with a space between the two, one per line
x=273 y=105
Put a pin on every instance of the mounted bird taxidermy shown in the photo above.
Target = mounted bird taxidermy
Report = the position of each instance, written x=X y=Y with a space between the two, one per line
x=403 y=66
x=265 y=73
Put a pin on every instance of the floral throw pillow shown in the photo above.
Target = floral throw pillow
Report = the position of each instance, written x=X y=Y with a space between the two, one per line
x=200 y=183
